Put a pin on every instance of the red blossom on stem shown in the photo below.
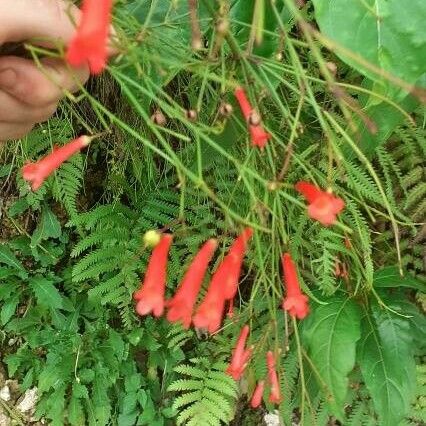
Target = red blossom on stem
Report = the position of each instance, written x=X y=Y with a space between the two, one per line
x=256 y=399
x=275 y=395
x=38 y=172
x=150 y=297
x=323 y=206
x=295 y=302
x=183 y=302
x=89 y=45
x=240 y=355
x=210 y=312
x=233 y=262
x=258 y=135
x=223 y=285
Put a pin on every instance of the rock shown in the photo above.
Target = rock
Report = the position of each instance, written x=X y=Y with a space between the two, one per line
x=29 y=401
x=272 y=419
x=5 y=394
x=4 y=419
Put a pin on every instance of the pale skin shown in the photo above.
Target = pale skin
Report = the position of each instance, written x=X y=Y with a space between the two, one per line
x=29 y=94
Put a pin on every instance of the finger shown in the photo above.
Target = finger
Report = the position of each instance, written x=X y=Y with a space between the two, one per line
x=35 y=86
x=10 y=131
x=14 y=111
x=44 y=19
x=50 y=21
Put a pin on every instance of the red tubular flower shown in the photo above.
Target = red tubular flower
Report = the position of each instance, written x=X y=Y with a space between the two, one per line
x=223 y=285
x=89 y=44
x=323 y=206
x=182 y=303
x=275 y=396
x=296 y=303
x=38 y=172
x=233 y=262
x=150 y=297
x=210 y=312
x=258 y=135
x=240 y=355
x=230 y=313
x=256 y=399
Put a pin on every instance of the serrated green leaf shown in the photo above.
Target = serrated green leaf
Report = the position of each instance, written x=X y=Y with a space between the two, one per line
x=48 y=227
x=186 y=399
x=76 y=415
x=50 y=377
x=8 y=258
x=45 y=292
x=331 y=333
x=387 y=363
x=56 y=410
x=189 y=370
x=8 y=309
x=180 y=385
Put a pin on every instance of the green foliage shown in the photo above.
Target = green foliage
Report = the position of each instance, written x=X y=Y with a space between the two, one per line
x=387 y=363
x=72 y=253
x=209 y=393
x=331 y=334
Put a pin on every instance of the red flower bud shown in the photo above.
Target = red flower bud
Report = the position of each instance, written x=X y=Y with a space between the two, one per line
x=296 y=303
x=150 y=297
x=240 y=355
x=38 y=172
x=256 y=399
x=89 y=45
x=182 y=303
x=275 y=396
x=258 y=135
x=323 y=206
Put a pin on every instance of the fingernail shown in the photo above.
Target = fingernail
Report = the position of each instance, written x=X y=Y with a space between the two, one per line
x=8 y=78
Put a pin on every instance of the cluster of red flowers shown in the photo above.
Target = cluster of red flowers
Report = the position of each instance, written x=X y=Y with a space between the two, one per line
x=223 y=285
x=89 y=45
x=239 y=361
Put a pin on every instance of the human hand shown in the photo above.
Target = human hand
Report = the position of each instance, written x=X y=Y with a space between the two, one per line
x=29 y=94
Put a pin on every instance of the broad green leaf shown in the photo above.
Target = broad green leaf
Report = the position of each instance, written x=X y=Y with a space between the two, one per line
x=57 y=405
x=45 y=292
x=50 y=377
x=168 y=30
x=331 y=333
x=76 y=415
x=397 y=300
x=49 y=227
x=242 y=13
x=8 y=309
x=386 y=33
x=387 y=364
x=389 y=276
x=8 y=258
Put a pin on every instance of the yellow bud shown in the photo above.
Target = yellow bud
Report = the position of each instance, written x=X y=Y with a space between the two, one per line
x=151 y=238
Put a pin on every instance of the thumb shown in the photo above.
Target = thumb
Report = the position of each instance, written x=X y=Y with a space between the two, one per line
x=47 y=20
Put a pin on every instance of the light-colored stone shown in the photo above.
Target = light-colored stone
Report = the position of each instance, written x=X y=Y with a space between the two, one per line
x=272 y=419
x=4 y=419
x=29 y=401
x=5 y=393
